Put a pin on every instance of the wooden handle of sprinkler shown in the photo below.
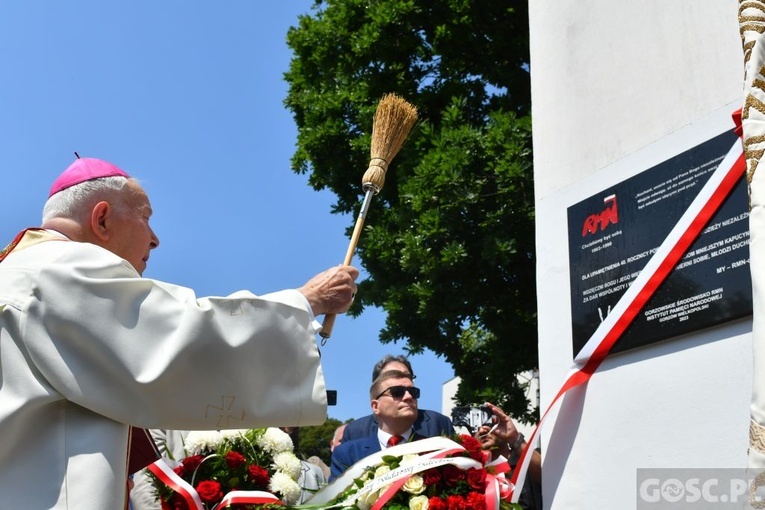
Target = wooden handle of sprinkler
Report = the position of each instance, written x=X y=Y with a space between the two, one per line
x=372 y=183
x=329 y=319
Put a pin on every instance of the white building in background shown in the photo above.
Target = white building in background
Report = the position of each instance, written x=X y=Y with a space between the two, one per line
x=529 y=379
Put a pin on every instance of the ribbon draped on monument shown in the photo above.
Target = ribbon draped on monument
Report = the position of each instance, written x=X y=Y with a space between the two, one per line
x=661 y=264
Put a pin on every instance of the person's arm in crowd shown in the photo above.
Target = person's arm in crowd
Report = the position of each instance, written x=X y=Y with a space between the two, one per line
x=508 y=440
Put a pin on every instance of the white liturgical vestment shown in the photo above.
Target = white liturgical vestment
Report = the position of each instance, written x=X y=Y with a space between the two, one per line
x=752 y=28
x=88 y=347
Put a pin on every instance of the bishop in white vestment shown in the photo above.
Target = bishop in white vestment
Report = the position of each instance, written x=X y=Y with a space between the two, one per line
x=89 y=348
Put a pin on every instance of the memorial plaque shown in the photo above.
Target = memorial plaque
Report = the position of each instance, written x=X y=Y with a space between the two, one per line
x=613 y=234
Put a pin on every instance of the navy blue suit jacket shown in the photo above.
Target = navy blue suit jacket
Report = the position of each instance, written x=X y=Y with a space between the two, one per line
x=427 y=424
x=348 y=453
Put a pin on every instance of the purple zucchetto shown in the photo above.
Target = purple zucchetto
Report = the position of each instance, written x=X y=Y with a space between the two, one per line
x=85 y=169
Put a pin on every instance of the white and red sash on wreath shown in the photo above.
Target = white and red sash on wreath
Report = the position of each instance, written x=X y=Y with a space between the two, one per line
x=165 y=473
x=432 y=452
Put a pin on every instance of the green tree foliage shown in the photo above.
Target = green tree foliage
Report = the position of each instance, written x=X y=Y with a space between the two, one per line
x=315 y=440
x=449 y=241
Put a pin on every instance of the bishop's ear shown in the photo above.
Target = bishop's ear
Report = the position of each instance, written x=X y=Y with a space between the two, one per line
x=100 y=217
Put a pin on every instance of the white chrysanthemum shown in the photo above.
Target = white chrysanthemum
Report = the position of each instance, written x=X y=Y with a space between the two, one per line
x=288 y=463
x=275 y=441
x=418 y=503
x=414 y=485
x=199 y=441
x=287 y=488
x=233 y=433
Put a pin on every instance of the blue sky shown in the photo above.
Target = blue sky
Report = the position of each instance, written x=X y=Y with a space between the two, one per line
x=188 y=97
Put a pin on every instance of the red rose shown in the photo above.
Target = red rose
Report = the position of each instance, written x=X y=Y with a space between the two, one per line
x=436 y=503
x=209 y=491
x=470 y=443
x=476 y=478
x=192 y=463
x=455 y=502
x=473 y=447
x=452 y=474
x=475 y=501
x=431 y=477
x=235 y=460
x=180 y=470
x=258 y=475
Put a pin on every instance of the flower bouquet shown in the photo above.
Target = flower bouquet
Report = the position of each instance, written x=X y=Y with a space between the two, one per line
x=253 y=468
x=431 y=474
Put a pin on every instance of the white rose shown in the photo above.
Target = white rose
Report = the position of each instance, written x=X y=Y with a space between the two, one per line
x=365 y=501
x=414 y=485
x=418 y=503
x=410 y=458
x=381 y=470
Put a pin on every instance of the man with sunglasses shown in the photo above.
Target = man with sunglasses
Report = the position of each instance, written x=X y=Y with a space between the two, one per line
x=394 y=405
x=428 y=423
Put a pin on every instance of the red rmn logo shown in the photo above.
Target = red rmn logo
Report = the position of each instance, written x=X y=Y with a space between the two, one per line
x=609 y=215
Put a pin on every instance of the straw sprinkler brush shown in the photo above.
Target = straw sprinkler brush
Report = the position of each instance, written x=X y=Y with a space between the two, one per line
x=391 y=125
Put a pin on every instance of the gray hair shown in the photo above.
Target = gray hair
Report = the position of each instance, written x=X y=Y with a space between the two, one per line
x=73 y=201
x=389 y=358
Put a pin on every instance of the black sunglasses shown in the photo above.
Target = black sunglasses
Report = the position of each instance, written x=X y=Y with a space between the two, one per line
x=399 y=391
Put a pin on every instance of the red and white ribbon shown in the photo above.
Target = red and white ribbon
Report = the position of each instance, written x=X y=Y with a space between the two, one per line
x=433 y=452
x=248 y=498
x=334 y=489
x=704 y=206
x=170 y=478
x=401 y=475
x=498 y=486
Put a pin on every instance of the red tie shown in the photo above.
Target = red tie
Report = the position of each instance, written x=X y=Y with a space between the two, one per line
x=394 y=440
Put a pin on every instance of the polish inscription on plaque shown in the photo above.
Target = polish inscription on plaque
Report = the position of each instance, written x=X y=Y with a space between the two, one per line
x=613 y=234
